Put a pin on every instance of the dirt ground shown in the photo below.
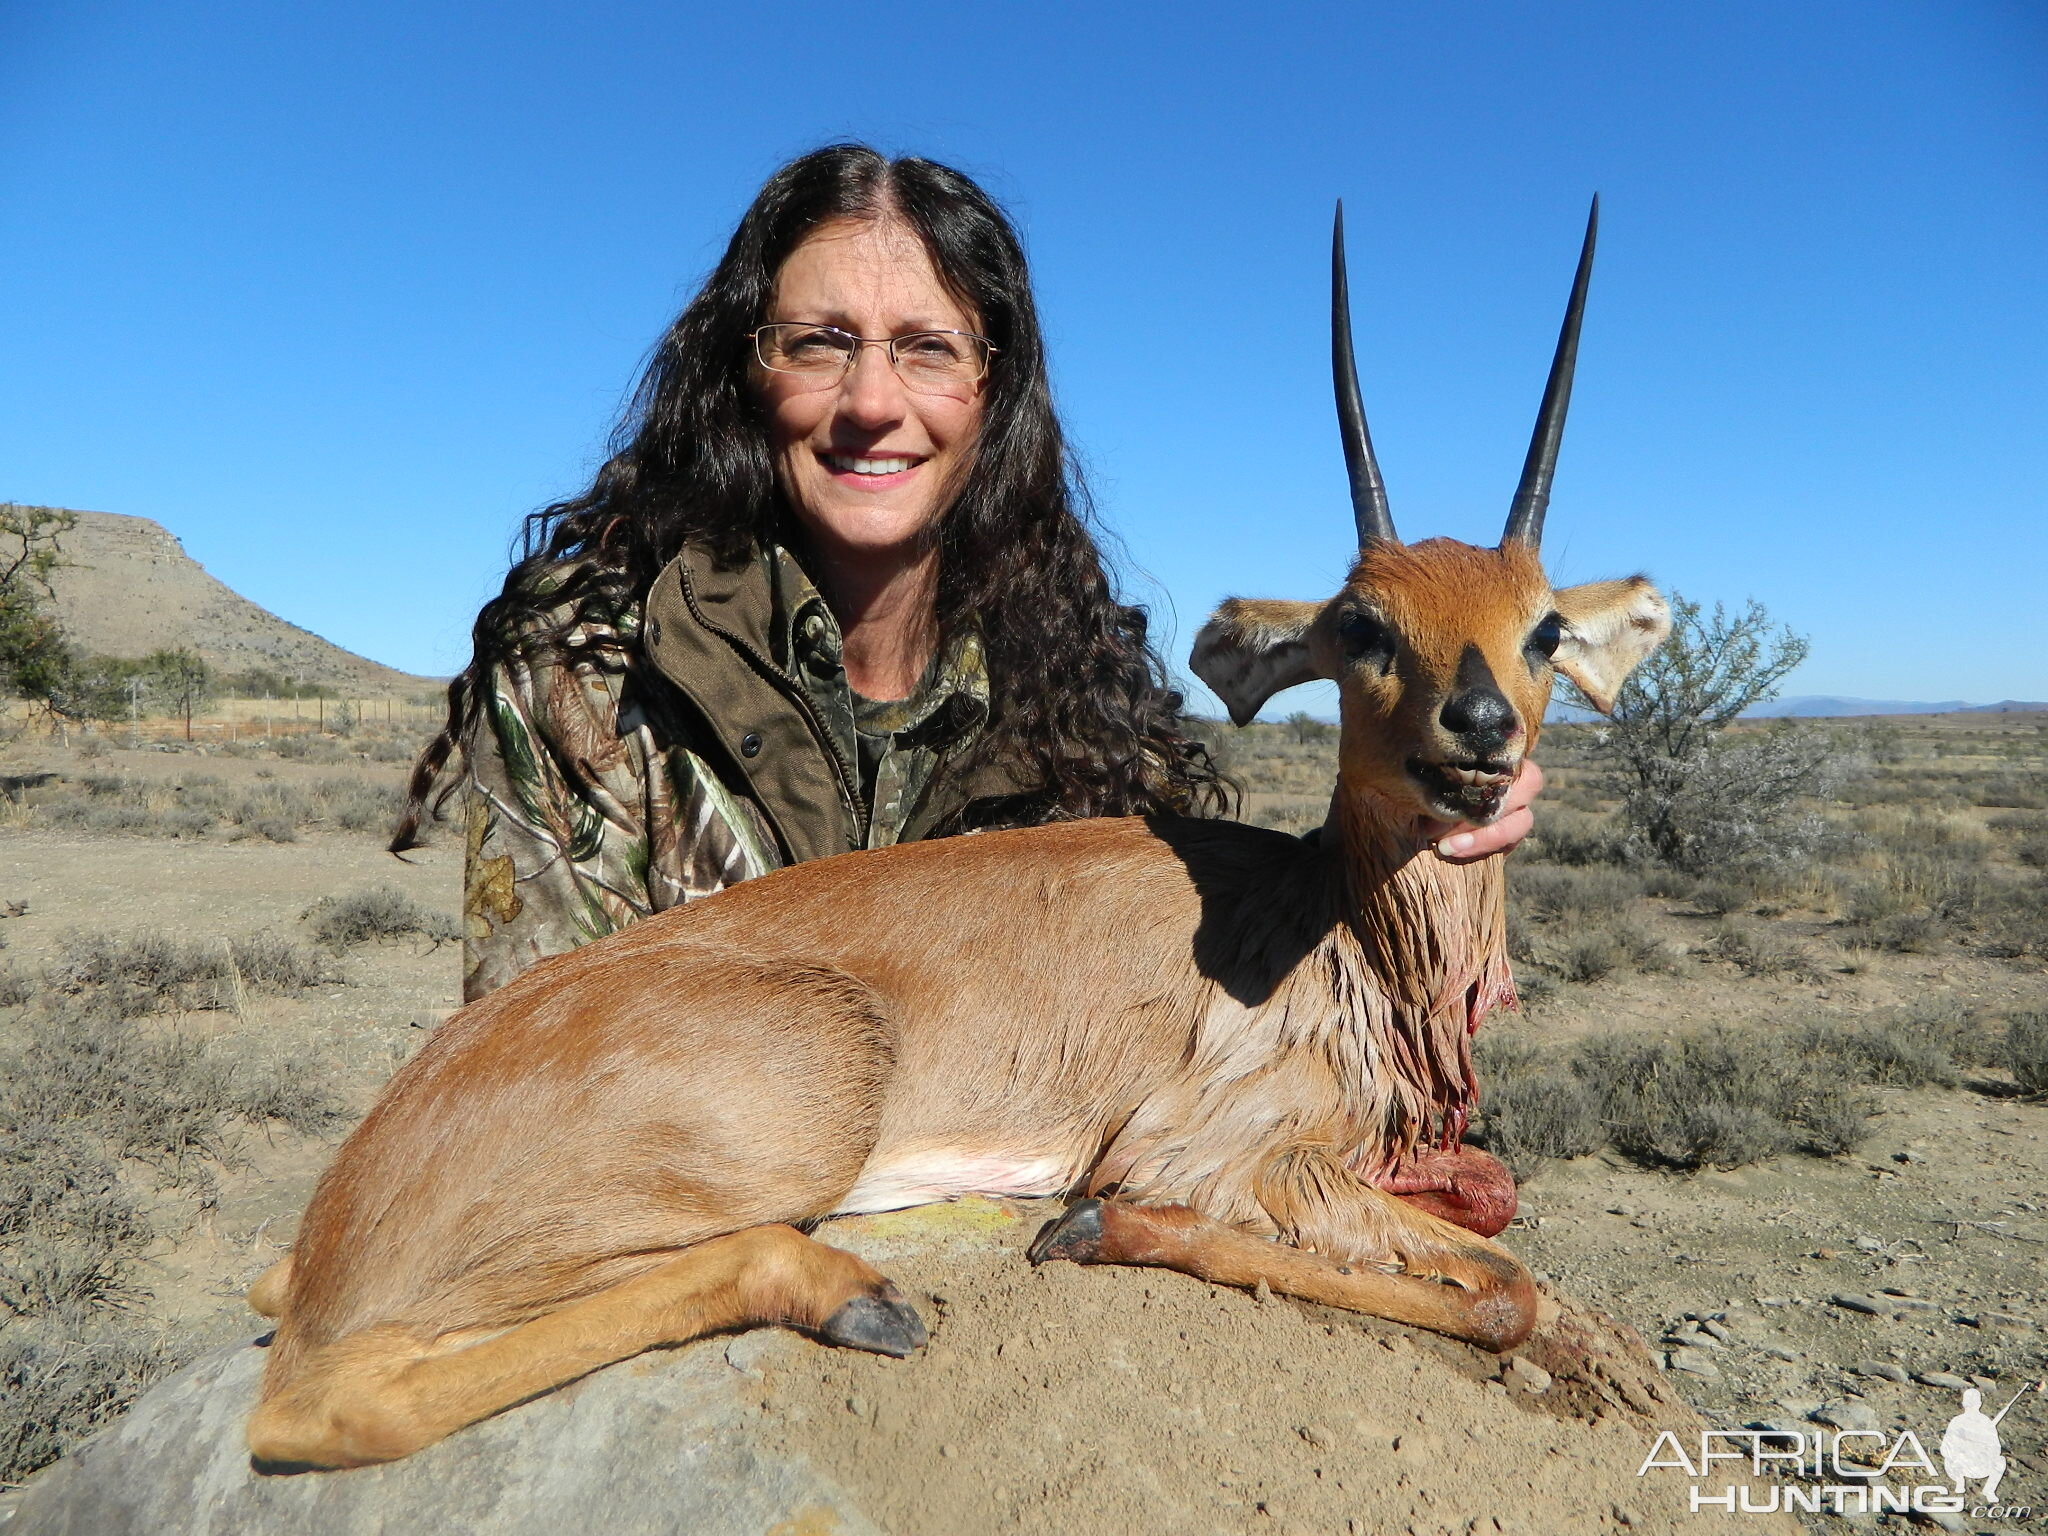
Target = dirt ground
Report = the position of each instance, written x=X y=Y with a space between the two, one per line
x=1201 y=1409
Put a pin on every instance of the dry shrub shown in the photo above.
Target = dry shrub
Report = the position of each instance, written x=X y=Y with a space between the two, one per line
x=1756 y=949
x=1718 y=898
x=154 y=973
x=2015 y=922
x=2018 y=821
x=2026 y=1050
x=356 y=804
x=1288 y=813
x=108 y=1127
x=1723 y=1096
x=1550 y=894
x=2025 y=790
x=1588 y=957
x=1533 y=1109
x=1567 y=836
x=60 y=1379
x=191 y=807
x=1946 y=838
x=1670 y=884
x=383 y=912
x=311 y=748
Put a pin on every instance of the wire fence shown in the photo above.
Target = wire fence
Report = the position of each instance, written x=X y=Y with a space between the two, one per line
x=245 y=720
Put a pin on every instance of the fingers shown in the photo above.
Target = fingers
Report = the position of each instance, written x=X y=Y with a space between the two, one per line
x=1527 y=786
x=1484 y=842
x=1516 y=822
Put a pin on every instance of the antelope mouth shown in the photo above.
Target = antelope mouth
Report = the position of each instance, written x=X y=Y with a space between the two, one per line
x=1472 y=789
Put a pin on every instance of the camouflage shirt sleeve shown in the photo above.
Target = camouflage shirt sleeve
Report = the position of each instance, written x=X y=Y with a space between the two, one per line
x=586 y=808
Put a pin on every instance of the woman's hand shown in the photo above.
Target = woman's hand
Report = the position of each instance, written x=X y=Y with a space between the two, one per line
x=1465 y=843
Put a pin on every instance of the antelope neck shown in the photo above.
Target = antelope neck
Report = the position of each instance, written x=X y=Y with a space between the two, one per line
x=1434 y=937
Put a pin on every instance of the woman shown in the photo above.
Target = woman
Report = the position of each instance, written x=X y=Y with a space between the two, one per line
x=832 y=590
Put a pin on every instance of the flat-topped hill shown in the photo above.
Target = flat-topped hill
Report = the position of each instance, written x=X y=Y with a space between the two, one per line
x=129 y=588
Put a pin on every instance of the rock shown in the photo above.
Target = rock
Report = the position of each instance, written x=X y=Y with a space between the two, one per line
x=1869 y=1245
x=1845 y=1415
x=2006 y=1320
x=1942 y=1379
x=1869 y=1306
x=1528 y=1375
x=1940 y=1519
x=1780 y=1352
x=1689 y=1337
x=1883 y=1370
x=1717 y=1331
x=1694 y=1362
x=177 y=1464
x=1779 y=1434
x=1317 y=1435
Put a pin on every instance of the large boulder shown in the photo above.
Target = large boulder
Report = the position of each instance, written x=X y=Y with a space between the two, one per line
x=659 y=1444
x=1088 y=1401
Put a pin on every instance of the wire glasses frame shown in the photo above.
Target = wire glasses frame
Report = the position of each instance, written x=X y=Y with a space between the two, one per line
x=925 y=360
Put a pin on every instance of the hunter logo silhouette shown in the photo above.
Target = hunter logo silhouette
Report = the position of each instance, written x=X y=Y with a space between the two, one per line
x=1970 y=1448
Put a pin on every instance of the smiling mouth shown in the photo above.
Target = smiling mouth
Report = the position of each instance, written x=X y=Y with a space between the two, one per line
x=1472 y=790
x=849 y=464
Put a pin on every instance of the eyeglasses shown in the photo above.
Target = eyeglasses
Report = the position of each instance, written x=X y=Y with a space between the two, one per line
x=930 y=362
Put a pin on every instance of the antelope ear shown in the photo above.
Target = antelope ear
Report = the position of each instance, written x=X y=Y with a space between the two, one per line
x=1610 y=627
x=1250 y=649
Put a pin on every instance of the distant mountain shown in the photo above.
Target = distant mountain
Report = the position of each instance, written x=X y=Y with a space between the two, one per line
x=129 y=588
x=1828 y=706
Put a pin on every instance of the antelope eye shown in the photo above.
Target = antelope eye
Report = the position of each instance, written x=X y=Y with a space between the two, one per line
x=1545 y=638
x=1365 y=638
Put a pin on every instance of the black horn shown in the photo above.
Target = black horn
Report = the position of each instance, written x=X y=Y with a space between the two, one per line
x=1368 y=490
x=1532 y=497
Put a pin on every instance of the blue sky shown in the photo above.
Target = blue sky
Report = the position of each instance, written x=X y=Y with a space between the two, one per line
x=338 y=292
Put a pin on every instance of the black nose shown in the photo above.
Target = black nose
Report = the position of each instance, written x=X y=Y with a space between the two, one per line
x=1479 y=717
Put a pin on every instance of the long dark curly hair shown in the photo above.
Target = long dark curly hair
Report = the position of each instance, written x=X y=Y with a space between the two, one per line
x=1078 y=698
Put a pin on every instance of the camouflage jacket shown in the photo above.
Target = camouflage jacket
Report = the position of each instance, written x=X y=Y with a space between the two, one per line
x=695 y=740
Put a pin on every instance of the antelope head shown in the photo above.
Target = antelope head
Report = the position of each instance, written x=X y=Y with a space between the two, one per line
x=1443 y=654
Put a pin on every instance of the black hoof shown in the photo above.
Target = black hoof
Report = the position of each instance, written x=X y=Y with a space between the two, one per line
x=884 y=1325
x=1076 y=1236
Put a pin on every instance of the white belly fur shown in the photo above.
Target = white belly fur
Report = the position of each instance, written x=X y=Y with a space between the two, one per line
x=920 y=1178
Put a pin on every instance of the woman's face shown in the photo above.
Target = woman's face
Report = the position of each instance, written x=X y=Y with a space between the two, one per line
x=869 y=464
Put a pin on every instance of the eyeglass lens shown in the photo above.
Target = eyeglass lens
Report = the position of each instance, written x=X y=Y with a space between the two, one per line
x=930 y=360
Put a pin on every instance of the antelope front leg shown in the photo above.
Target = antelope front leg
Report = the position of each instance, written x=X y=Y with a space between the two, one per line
x=1438 y=1277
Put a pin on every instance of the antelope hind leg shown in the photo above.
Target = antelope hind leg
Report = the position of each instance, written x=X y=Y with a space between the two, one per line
x=385 y=1393
x=1481 y=1294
